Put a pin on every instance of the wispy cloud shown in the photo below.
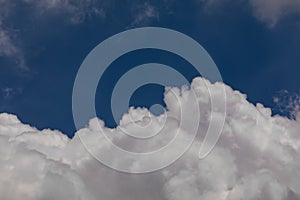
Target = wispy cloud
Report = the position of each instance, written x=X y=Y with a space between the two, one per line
x=269 y=12
x=8 y=92
x=272 y=11
x=143 y=14
x=8 y=47
x=77 y=10
x=74 y=11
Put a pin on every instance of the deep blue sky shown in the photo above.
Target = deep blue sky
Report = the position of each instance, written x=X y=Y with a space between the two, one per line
x=43 y=46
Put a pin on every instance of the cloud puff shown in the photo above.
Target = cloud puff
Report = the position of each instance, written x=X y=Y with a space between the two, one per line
x=257 y=157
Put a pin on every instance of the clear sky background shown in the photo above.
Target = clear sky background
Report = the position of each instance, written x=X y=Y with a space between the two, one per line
x=254 y=43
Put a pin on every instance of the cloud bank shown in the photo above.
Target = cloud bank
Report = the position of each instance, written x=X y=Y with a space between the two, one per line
x=257 y=157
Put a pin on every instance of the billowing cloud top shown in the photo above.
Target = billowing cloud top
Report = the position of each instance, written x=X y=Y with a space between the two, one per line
x=257 y=157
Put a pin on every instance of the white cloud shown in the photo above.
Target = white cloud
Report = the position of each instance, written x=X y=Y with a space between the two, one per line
x=257 y=157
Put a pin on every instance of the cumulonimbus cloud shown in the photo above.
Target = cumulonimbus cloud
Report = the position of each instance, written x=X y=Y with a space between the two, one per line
x=256 y=157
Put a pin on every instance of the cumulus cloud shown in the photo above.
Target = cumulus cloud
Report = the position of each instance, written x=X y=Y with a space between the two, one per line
x=257 y=157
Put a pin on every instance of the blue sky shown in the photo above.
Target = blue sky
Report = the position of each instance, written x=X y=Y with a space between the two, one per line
x=43 y=43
